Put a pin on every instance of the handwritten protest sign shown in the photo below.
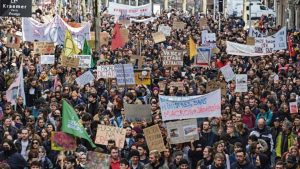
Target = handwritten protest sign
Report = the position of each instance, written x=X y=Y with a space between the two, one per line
x=293 y=107
x=172 y=57
x=124 y=74
x=97 y=160
x=227 y=73
x=178 y=25
x=13 y=41
x=166 y=30
x=213 y=85
x=105 y=133
x=174 y=108
x=264 y=45
x=203 y=56
x=84 y=61
x=179 y=85
x=211 y=37
x=182 y=131
x=137 y=60
x=104 y=38
x=106 y=71
x=241 y=83
x=250 y=41
x=85 y=78
x=62 y=141
x=158 y=37
x=47 y=59
x=69 y=61
x=138 y=112
x=142 y=77
x=204 y=37
x=154 y=138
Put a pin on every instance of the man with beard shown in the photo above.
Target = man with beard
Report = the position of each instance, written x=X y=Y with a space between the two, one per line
x=241 y=162
x=10 y=156
x=156 y=162
x=219 y=162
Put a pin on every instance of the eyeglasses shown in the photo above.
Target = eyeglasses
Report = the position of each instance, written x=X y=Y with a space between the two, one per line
x=35 y=142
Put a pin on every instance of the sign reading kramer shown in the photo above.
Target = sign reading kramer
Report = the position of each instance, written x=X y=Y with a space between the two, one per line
x=172 y=57
x=16 y=8
x=182 y=131
x=154 y=138
x=105 y=133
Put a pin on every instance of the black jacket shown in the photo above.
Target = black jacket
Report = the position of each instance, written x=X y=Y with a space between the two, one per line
x=13 y=159
x=247 y=165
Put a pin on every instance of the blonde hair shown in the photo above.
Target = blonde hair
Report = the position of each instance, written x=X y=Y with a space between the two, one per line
x=155 y=153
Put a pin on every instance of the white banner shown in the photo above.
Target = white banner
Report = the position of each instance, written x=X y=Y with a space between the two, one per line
x=146 y=21
x=127 y=10
x=280 y=39
x=53 y=31
x=264 y=45
x=227 y=73
x=174 y=108
x=241 y=83
x=233 y=48
x=47 y=59
x=85 y=78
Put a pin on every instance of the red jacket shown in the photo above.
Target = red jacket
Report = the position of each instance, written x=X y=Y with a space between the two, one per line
x=249 y=120
x=114 y=164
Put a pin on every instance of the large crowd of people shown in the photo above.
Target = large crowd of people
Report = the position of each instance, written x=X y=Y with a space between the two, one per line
x=256 y=128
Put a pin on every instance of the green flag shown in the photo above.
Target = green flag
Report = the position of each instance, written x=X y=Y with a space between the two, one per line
x=71 y=124
x=86 y=50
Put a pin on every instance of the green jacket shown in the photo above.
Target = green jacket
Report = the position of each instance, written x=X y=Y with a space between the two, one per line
x=291 y=140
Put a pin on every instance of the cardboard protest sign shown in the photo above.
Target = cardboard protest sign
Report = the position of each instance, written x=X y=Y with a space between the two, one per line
x=213 y=85
x=241 y=83
x=142 y=77
x=47 y=59
x=124 y=74
x=166 y=30
x=178 y=25
x=203 y=56
x=43 y=47
x=84 y=61
x=182 y=131
x=203 y=22
x=227 y=73
x=13 y=41
x=69 y=61
x=250 y=41
x=154 y=138
x=138 y=112
x=125 y=34
x=61 y=141
x=105 y=133
x=175 y=108
x=162 y=85
x=293 y=107
x=85 y=78
x=158 y=37
x=173 y=57
x=106 y=71
x=137 y=60
x=97 y=160
x=179 y=85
